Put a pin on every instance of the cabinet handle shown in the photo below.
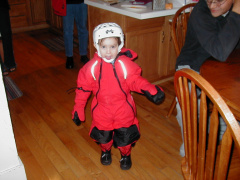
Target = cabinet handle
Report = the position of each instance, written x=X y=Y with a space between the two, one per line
x=163 y=36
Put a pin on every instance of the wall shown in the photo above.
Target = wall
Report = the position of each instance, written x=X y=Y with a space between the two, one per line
x=11 y=166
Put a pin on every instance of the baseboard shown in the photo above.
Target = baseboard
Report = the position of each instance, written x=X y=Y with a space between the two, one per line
x=30 y=28
x=17 y=172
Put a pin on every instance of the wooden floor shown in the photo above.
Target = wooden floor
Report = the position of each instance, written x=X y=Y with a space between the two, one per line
x=51 y=146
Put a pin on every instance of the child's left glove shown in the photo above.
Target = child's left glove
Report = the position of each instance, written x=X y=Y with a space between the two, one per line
x=157 y=98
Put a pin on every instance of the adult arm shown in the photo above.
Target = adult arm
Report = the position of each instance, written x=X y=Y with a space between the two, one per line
x=218 y=39
x=236 y=6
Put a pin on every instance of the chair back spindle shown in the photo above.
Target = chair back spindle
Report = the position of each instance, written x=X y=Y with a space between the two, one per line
x=206 y=155
x=178 y=31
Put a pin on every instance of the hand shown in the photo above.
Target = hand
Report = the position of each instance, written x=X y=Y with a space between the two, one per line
x=76 y=119
x=236 y=6
x=157 y=98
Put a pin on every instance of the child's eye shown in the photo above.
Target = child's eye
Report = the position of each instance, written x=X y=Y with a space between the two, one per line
x=103 y=47
x=113 y=47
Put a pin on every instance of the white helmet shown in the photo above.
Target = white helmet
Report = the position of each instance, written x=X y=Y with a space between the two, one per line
x=106 y=30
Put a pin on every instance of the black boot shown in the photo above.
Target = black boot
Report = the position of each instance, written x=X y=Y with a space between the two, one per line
x=69 y=63
x=125 y=162
x=106 y=158
x=84 y=59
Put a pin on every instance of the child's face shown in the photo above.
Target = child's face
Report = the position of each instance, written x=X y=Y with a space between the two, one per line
x=108 y=48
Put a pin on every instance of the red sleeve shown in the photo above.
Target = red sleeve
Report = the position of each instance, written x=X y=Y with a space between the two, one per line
x=83 y=91
x=135 y=81
x=59 y=7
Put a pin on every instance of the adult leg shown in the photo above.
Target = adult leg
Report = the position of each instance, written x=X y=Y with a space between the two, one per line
x=68 y=25
x=179 y=120
x=81 y=13
x=179 y=112
x=4 y=70
x=6 y=35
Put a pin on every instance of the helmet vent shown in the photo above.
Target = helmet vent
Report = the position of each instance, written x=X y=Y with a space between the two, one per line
x=109 y=31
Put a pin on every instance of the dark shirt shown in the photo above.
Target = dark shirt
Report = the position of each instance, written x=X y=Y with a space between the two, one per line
x=209 y=36
x=4 y=4
x=74 y=1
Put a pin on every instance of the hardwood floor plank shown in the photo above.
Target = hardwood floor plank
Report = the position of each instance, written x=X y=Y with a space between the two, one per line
x=61 y=149
x=171 y=174
x=85 y=161
x=42 y=159
x=161 y=156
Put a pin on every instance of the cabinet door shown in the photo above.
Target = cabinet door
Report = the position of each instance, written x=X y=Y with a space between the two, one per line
x=16 y=1
x=38 y=11
x=146 y=44
x=18 y=13
x=167 y=51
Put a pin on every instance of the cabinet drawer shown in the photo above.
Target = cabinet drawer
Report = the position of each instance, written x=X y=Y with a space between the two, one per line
x=19 y=21
x=132 y=24
x=18 y=10
x=16 y=1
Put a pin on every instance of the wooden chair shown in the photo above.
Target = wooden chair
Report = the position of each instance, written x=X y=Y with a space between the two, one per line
x=206 y=157
x=178 y=30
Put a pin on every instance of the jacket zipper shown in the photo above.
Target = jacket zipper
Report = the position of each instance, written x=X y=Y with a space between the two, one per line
x=115 y=73
x=99 y=79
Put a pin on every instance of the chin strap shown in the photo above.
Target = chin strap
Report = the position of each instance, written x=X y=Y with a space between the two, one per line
x=108 y=60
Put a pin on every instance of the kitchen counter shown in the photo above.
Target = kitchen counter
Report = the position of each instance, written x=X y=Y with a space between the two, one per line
x=139 y=13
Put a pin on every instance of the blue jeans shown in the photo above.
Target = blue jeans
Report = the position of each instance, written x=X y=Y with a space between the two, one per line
x=77 y=12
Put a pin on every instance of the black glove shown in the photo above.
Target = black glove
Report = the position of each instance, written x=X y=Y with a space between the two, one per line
x=157 y=98
x=76 y=119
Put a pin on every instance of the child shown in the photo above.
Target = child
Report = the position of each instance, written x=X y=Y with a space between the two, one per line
x=111 y=75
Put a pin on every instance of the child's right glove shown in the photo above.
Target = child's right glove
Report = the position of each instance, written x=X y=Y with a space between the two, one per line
x=157 y=98
x=78 y=114
x=76 y=119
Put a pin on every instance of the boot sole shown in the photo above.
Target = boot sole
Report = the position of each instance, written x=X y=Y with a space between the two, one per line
x=106 y=163
x=125 y=168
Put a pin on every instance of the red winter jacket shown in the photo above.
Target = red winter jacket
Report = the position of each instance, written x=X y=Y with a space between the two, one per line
x=112 y=106
x=59 y=7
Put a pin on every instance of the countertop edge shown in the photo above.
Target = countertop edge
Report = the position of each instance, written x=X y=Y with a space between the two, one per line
x=141 y=16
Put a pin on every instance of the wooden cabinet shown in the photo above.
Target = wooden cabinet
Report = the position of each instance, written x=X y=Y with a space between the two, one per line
x=150 y=38
x=27 y=15
x=38 y=11
x=18 y=13
x=53 y=20
x=167 y=50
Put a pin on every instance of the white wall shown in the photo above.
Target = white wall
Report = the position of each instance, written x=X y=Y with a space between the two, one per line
x=11 y=166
